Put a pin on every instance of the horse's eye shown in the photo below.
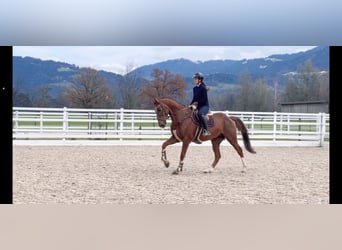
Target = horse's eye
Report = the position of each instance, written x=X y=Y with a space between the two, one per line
x=159 y=109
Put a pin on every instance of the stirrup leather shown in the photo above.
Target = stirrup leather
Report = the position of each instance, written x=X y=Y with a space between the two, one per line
x=198 y=133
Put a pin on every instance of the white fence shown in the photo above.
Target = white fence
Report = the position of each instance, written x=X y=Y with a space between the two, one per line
x=140 y=127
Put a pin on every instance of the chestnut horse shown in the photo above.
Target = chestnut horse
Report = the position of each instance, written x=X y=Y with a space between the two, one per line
x=183 y=130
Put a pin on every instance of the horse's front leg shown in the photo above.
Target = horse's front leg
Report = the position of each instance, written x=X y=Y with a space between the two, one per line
x=185 y=146
x=169 y=141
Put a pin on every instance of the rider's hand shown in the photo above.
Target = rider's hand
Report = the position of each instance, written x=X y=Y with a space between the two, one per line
x=193 y=107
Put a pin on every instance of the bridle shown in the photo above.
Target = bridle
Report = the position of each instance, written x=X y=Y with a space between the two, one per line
x=162 y=115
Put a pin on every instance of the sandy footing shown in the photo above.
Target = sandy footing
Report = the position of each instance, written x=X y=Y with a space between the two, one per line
x=136 y=175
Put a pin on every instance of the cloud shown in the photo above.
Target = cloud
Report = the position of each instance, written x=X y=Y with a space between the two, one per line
x=117 y=58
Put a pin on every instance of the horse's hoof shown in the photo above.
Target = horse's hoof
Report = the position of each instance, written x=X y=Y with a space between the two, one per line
x=175 y=172
x=207 y=171
x=167 y=164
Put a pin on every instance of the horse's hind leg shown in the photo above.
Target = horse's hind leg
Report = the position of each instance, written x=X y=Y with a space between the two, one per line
x=232 y=138
x=240 y=152
x=216 y=148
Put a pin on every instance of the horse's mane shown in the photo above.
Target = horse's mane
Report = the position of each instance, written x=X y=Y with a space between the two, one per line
x=172 y=101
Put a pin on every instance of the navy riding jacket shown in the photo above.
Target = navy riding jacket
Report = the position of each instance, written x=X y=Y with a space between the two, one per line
x=200 y=95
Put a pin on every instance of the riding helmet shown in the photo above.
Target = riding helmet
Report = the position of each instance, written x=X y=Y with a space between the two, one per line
x=198 y=76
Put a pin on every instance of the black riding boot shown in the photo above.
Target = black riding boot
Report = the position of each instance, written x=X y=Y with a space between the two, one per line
x=205 y=125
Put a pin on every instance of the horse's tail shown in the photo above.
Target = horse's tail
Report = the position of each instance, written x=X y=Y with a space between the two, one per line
x=244 y=132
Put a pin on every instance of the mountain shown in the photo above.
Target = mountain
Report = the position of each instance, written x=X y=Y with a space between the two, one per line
x=31 y=73
x=34 y=72
x=219 y=74
x=227 y=71
x=274 y=64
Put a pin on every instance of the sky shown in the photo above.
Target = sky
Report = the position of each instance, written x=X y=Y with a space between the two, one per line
x=177 y=22
x=117 y=59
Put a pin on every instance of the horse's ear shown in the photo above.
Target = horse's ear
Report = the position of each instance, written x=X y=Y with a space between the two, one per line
x=156 y=101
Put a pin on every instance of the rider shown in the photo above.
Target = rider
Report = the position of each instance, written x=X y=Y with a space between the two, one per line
x=200 y=97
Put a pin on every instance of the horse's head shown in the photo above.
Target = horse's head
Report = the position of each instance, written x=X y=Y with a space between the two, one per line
x=162 y=112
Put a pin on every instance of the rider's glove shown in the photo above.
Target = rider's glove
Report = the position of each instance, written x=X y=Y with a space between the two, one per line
x=193 y=107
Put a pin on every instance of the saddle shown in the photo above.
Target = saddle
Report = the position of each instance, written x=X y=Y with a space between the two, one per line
x=196 y=120
x=209 y=116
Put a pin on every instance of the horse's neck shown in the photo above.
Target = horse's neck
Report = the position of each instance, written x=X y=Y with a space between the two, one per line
x=181 y=114
x=174 y=108
x=172 y=104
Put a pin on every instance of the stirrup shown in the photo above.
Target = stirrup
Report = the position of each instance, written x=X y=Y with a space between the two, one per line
x=206 y=132
x=197 y=141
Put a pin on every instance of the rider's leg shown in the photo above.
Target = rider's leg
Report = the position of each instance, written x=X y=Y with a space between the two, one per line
x=205 y=125
x=201 y=113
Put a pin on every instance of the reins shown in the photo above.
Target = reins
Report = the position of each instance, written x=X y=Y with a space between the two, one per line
x=185 y=116
x=175 y=114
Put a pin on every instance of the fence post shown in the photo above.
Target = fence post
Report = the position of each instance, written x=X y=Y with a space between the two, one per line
x=321 y=128
x=121 y=122
x=65 y=122
x=89 y=122
x=274 y=125
x=281 y=124
x=116 y=122
x=16 y=119
x=252 y=127
x=41 y=121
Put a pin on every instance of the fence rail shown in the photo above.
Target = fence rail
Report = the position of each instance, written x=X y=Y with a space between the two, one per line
x=121 y=125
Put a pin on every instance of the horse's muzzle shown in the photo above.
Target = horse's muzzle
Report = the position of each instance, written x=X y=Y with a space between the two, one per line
x=161 y=123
